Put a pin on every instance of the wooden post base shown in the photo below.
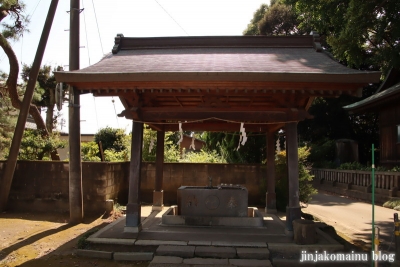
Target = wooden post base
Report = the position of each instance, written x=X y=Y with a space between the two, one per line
x=304 y=232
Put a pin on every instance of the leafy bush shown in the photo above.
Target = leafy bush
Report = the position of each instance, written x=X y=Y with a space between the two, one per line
x=114 y=156
x=395 y=169
x=171 y=150
x=112 y=139
x=352 y=166
x=322 y=153
x=392 y=203
x=202 y=157
x=306 y=190
x=34 y=146
x=90 y=150
x=356 y=166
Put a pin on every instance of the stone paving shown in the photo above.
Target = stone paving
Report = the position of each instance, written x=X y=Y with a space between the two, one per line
x=205 y=246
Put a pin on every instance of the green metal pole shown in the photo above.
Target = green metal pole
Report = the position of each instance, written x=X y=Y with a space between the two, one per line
x=373 y=204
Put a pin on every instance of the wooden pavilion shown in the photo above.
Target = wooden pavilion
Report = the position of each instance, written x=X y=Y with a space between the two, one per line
x=215 y=84
x=385 y=102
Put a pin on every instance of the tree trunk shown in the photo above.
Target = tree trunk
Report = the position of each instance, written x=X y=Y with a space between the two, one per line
x=11 y=85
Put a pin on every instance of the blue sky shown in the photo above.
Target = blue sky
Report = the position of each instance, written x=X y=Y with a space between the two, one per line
x=133 y=19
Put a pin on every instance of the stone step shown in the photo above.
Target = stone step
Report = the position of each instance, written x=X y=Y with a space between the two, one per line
x=164 y=261
x=213 y=252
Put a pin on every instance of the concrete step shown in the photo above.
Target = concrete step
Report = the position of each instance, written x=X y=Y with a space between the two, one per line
x=213 y=252
x=170 y=261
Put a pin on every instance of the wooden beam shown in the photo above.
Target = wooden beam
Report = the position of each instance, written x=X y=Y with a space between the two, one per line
x=219 y=127
x=236 y=86
x=237 y=115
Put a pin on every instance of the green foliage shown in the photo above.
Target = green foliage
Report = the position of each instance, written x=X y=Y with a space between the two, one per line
x=111 y=139
x=395 y=169
x=276 y=19
x=352 y=166
x=90 y=150
x=306 y=190
x=252 y=27
x=363 y=34
x=171 y=150
x=114 y=156
x=44 y=94
x=356 y=166
x=171 y=154
x=280 y=19
x=202 y=157
x=115 y=145
x=254 y=151
x=332 y=122
x=19 y=20
x=8 y=116
x=149 y=136
x=392 y=203
x=36 y=147
x=45 y=82
x=322 y=153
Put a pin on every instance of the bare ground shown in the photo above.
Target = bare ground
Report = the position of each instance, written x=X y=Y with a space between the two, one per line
x=46 y=239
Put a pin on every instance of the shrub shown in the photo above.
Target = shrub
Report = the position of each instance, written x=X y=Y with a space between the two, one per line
x=90 y=150
x=35 y=146
x=356 y=166
x=306 y=190
x=392 y=203
x=202 y=157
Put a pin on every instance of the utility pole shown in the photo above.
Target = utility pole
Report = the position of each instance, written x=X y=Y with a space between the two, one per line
x=24 y=111
x=75 y=161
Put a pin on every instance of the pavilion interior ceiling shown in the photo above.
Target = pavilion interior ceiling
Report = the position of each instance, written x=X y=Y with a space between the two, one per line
x=216 y=83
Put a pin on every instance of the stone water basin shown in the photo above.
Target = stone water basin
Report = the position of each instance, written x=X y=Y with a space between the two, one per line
x=221 y=201
x=213 y=206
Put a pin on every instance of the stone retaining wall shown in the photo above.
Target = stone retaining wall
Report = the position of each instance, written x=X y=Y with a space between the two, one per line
x=44 y=185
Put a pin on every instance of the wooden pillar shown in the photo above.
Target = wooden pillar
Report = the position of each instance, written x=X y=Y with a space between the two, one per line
x=75 y=161
x=158 y=194
x=133 y=212
x=270 y=206
x=293 y=211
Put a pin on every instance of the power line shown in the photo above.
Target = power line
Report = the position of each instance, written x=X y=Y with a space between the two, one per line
x=31 y=15
x=87 y=43
x=171 y=17
x=87 y=40
x=98 y=30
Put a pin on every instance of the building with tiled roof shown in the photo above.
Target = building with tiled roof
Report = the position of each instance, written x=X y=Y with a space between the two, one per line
x=385 y=102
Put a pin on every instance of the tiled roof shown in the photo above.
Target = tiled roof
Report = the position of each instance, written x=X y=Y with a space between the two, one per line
x=391 y=95
x=245 y=58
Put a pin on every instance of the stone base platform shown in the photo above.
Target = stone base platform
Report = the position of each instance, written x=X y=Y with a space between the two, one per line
x=254 y=219
x=182 y=245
